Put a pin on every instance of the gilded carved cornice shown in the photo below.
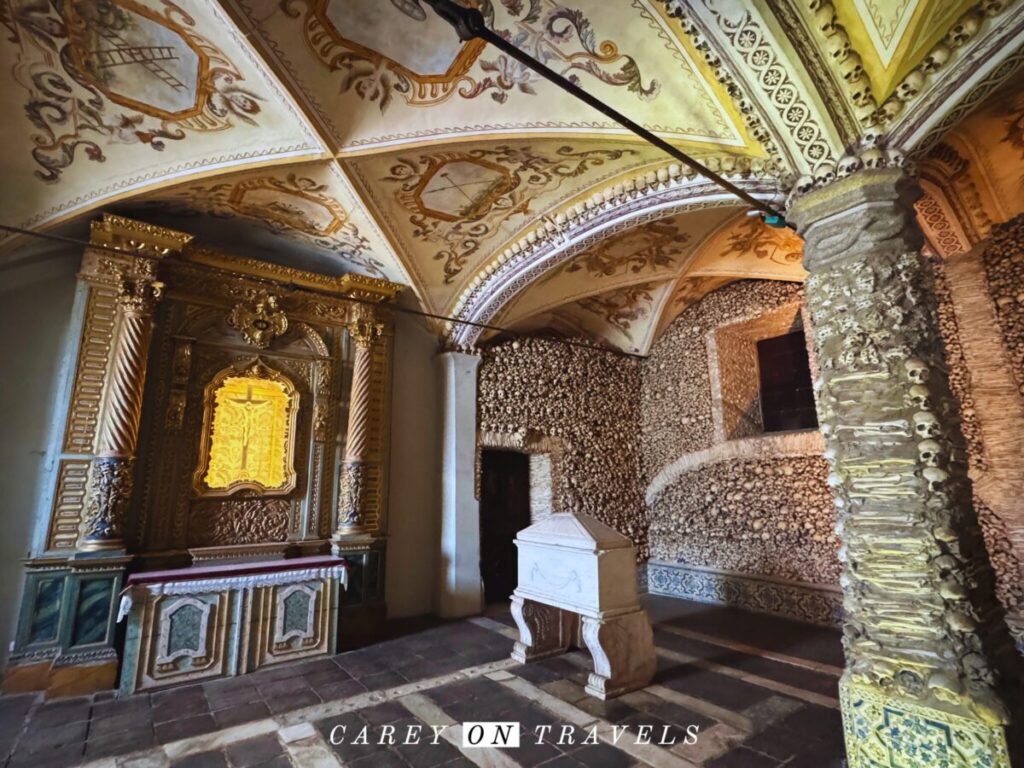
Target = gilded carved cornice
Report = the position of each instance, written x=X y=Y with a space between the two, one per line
x=354 y=286
x=136 y=237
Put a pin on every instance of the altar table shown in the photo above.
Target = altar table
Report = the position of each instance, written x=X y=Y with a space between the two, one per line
x=193 y=624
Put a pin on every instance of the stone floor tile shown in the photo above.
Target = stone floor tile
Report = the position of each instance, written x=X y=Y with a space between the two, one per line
x=340 y=690
x=382 y=680
x=184 y=728
x=179 y=704
x=201 y=760
x=388 y=712
x=241 y=713
x=382 y=759
x=254 y=752
x=601 y=756
x=743 y=758
x=288 y=702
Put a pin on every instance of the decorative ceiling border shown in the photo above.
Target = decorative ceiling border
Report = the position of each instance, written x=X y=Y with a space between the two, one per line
x=949 y=57
x=798 y=125
x=966 y=84
x=563 y=236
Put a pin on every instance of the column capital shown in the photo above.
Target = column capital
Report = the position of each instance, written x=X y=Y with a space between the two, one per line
x=364 y=327
x=870 y=212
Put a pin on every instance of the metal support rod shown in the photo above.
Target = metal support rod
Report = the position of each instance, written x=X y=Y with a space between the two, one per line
x=469 y=24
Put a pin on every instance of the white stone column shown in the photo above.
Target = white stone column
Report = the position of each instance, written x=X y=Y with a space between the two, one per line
x=460 y=509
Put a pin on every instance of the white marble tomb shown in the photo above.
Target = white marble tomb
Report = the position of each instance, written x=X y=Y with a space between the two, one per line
x=577 y=577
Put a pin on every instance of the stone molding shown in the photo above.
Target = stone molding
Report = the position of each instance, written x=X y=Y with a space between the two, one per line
x=813 y=603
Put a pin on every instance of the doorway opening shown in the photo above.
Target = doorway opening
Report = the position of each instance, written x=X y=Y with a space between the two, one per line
x=504 y=511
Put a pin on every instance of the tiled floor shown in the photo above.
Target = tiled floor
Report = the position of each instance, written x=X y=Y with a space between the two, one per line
x=757 y=691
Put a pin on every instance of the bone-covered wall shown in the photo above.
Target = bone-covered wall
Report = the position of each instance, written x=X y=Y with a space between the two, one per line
x=757 y=505
x=538 y=393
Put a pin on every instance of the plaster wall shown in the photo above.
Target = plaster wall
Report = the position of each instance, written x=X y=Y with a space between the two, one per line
x=415 y=492
x=36 y=298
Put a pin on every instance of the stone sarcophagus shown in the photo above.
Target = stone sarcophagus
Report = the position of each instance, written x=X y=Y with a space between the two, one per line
x=200 y=623
x=577 y=577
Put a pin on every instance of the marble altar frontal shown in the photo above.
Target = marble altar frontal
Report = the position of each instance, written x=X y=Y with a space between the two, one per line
x=577 y=577
x=200 y=623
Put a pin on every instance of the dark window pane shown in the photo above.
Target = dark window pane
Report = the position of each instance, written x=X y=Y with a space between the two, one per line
x=787 y=399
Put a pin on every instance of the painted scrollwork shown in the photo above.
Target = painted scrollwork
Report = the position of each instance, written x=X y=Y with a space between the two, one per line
x=621 y=307
x=494 y=185
x=561 y=37
x=77 y=97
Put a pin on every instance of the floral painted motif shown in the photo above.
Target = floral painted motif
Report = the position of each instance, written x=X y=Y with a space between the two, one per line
x=458 y=200
x=377 y=69
x=649 y=247
x=623 y=307
x=106 y=72
x=777 y=245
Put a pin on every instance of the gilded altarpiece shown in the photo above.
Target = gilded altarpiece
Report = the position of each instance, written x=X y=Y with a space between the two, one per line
x=142 y=481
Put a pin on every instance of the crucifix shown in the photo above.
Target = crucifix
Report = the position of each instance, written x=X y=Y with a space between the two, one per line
x=249 y=406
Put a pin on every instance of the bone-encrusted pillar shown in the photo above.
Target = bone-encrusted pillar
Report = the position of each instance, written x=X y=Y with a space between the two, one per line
x=111 y=481
x=364 y=331
x=929 y=661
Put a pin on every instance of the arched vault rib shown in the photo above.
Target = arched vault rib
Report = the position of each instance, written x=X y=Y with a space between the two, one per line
x=559 y=239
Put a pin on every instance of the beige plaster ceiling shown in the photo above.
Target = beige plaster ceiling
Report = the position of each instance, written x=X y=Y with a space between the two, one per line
x=361 y=135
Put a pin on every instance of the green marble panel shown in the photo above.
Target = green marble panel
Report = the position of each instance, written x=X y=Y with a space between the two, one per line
x=183 y=631
x=46 y=610
x=92 y=613
x=296 y=613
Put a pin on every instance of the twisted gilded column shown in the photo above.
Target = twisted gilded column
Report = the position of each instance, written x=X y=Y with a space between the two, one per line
x=930 y=666
x=364 y=331
x=111 y=476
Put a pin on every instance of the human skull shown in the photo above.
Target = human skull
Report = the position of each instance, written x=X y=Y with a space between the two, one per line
x=938 y=56
x=825 y=18
x=860 y=87
x=824 y=173
x=930 y=452
x=935 y=477
x=851 y=68
x=848 y=165
x=804 y=184
x=873 y=158
x=911 y=85
x=966 y=28
x=917 y=371
x=926 y=424
x=838 y=47
x=920 y=397
x=960 y=622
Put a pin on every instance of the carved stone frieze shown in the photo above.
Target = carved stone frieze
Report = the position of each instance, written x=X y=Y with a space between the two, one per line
x=922 y=624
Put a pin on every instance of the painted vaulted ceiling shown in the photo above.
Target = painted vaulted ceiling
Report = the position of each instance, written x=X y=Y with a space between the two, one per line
x=362 y=135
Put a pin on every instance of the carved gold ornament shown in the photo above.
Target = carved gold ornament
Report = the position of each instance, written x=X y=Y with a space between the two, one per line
x=261 y=320
x=248 y=433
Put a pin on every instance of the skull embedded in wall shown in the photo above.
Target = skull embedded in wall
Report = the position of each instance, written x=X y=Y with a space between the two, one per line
x=930 y=452
x=849 y=165
x=917 y=371
x=920 y=397
x=911 y=85
x=851 y=68
x=966 y=28
x=824 y=173
x=926 y=424
x=938 y=56
x=936 y=478
x=873 y=158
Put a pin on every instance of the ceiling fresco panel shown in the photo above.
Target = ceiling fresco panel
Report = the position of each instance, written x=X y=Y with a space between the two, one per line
x=656 y=249
x=382 y=72
x=108 y=97
x=448 y=211
x=309 y=212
